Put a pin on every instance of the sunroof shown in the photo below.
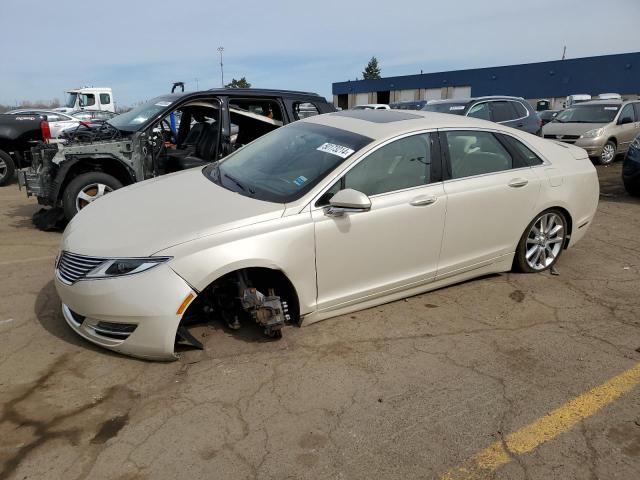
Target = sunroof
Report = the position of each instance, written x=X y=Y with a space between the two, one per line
x=378 y=116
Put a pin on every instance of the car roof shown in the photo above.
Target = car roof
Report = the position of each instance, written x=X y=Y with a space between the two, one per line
x=381 y=124
x=611 y=102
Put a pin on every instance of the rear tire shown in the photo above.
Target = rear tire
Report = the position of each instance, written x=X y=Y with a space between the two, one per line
x=7 y=168
x=86 y=188
x=541 y=243
x=608 y=154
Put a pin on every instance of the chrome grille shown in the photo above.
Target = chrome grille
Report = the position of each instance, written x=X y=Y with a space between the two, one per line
x=72 y=267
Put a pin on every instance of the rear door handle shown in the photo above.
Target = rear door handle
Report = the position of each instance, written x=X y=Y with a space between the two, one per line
x=423 y=200
x=518 y=182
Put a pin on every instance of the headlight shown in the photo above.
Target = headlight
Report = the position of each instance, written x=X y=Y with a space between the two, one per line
x=596 y=132
x=125 y=266
x=636 y=143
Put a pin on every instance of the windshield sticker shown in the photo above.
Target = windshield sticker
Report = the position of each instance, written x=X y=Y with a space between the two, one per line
x=300 y=180
x=457 y=107
x=611 y=108
x=163 y=104
x=333 y=149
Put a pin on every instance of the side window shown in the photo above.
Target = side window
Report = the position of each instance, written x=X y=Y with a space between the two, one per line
x=529 y=158
x=627 y=112
x=475 y=153
x=87 y=99
x=402 y=164
x=105 y=99
x=520 y=109
x=52 y=117
x=480 y=110
x=304 y=109
x=502 y=111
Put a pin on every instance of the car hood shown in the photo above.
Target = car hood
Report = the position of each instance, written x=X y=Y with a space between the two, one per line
x=144 y=218
x=557 y=128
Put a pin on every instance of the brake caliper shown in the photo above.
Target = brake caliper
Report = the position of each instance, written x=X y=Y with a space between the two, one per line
x=268 y=311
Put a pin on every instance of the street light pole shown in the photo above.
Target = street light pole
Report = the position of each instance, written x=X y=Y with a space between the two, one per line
x=221 y=49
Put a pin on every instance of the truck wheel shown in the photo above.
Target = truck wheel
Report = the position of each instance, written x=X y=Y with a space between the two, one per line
x=86 y=188
x=7 y=168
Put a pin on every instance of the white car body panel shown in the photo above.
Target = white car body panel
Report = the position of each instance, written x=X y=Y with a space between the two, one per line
x=336 y=264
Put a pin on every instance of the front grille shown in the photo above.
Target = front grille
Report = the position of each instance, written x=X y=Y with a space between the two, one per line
x=563 y=138
x=73 y=267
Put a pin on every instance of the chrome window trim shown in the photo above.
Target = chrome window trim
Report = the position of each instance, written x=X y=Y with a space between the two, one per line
x=500 y=100
x=363 y=156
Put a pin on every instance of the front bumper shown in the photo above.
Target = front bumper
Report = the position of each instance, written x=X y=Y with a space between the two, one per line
x=593 y=146
x=135 y=315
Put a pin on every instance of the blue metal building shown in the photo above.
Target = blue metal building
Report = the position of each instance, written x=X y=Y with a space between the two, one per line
x=553 y=80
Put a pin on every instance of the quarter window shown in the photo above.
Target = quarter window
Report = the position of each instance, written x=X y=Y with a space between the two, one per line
x=480 y=110
x=503 y=111
x=520 y=109
x=402 y=164
x=476 y=153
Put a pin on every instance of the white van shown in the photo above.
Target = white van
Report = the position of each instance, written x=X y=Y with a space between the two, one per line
x=578 y=98
x=88 y=98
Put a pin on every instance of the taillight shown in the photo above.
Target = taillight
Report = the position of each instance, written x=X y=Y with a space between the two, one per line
x=46 y=131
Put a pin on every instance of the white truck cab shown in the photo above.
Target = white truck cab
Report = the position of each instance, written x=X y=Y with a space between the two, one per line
x=88 y=98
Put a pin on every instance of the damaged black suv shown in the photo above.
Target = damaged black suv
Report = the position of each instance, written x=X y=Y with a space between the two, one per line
x=167 y=134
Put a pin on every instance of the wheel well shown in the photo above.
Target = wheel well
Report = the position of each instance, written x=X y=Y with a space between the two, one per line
x=567 y=215
x=112 y=167
x=614 y=140
x=262 y=279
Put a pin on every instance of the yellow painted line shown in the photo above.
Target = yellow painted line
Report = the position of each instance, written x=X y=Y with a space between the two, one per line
x=559 y=421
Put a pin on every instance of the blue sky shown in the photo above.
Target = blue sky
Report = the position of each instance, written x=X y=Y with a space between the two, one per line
x=139 y=47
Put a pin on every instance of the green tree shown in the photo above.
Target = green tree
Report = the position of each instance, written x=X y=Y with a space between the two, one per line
x=242 y=83
x=372 y=70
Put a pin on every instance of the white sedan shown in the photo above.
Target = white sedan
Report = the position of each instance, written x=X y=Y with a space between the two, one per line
x=323 y=217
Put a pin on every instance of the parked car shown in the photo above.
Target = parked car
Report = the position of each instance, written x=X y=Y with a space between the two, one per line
x=372 y=106
x=631 y=169
x=145 y=142
x=18 y=133
x=513 y=112
x=414 y=105
x=547 y=115
x=604 y=128
x=320 y=218
x=58 y=122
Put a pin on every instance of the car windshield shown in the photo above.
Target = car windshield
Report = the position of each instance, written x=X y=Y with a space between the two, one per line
x=132 y=120
x=71 y=100
x=447 y=107
x=588 y=114
x=286 y=163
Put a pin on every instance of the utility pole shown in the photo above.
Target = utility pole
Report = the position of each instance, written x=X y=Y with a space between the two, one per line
x=221 y=49
x=564 y=52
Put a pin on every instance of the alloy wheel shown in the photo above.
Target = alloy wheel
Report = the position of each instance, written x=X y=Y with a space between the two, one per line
x=544 y=241
x=608 y=153
x=91 y=193
x=3 y=168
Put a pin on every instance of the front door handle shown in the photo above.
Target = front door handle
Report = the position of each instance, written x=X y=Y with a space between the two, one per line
x=518 y=182
x=423 y=200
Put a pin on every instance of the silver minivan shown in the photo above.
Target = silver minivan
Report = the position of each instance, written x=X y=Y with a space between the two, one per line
x=604 y=128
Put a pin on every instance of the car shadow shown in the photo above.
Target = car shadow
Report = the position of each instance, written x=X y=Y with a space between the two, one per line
x=49 y=313
x=611 y=186
x=22 y=216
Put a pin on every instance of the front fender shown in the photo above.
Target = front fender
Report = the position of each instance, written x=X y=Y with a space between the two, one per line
x=285 y=244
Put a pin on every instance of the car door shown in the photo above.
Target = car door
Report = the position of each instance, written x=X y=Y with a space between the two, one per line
x=397 y=242
x=491 y=196
x=626 y=131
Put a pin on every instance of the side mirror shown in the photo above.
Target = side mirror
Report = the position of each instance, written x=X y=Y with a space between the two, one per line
x=347 y=201
x=625 y=120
